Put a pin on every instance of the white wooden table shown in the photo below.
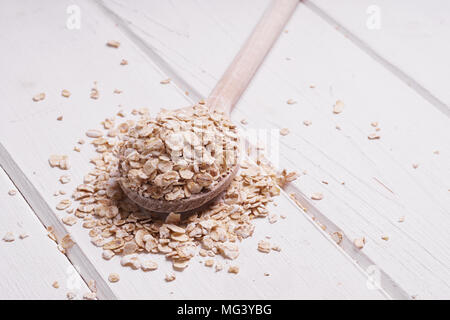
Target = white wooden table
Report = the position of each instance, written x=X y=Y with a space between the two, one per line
x=393 y=70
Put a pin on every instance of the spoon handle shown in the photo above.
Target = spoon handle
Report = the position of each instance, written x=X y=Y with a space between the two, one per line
x=239 y=74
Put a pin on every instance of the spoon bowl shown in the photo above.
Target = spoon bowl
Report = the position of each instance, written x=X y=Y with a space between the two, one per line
x=181 y=205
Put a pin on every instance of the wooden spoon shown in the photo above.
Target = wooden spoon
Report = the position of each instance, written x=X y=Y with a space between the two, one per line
x=224 y=97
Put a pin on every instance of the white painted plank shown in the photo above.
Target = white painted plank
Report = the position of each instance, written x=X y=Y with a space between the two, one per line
x=309 y=266
x=31 y=265
x=313 y=53
x=411 y=35
x=174 y=29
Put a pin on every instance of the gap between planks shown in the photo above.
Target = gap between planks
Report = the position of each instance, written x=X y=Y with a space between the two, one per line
x=364 y=264
x=396 y=71
x=31 y=253
x=40 y=207
x=160 y=64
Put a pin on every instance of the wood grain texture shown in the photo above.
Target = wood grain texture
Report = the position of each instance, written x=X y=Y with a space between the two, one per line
x=409 y=32
x=31 y=265
x=309 y=265
x=316 y=68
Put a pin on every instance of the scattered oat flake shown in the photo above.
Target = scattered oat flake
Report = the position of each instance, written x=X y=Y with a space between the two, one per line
x=338 y=107
x=92 y=285
x=149 y=265
x=12 y=192
x=359 y=242
x=307 y=123
x=297 y=202
x=94 y=93
x=64 y=179
x=132 y=261
x=76 y=148
x=385 y=238
x=65 y=93
x=166 y=81
x=233 y=269
x=374 y=124
x=113 y=277
x=219 y=267
x=244 y=122
x=61 y=249
x=180 y=265
x=317 y=196
x=401 y=219
x=173 y=218
x=60 y=118
x=284 y=131
x=93 y=133
x=64 y=164
x=415 y=165
x=170 y=277
x=264 y=246
x=55 y=285
x=273 y=218
x=337 y=237
x=23 y=236
x=276 y=248
x=108 y=254
x=291 y=101
x=67 y=242
x=373 y=136
x=39 y=97
x=209 y=263
x=64 y=204
x=144 y=111
x=70 y=295
x=123 y=62
x=117 y=91
x=51 y=233
x=113 y=44
x=69 y=220
x=60 y=161
x=9 y=237
x=90 y=296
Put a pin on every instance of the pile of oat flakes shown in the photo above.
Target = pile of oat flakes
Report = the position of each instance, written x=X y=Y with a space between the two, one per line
x=121 y=228
x=178 y=153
